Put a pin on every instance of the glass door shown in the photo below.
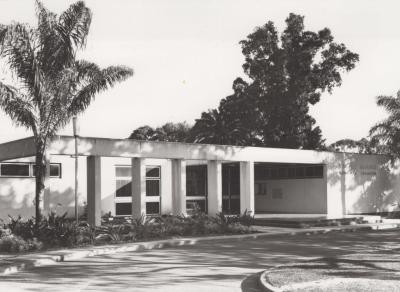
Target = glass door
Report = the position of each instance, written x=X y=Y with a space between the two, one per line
x=231 y=188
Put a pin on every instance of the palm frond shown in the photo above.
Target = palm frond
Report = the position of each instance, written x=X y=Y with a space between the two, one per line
x=97 y=82
x=18 y=52
x=74 y=24
x=17 y=107
x=390 y=103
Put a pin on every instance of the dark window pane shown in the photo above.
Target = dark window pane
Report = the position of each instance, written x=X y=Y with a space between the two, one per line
x=309 y=171
x=230 y=179
x=123 y=209
x=292 y=172
x=319 y=171
x=231 y=206
x=15 y=170
x=196 y=180
x=123 y=171
x=55 y=170
x=282 y=173
x=152 y=172
x=299 y=172
x=192 y=205
x=123 y=188
x=274 y=173
x=152 y=208
x=258 y=172
x=267 y=173
x=235 y=206
x=153 y=187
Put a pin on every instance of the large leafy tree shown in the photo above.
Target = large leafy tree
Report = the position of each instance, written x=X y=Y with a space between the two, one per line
x=50 y=85
x=287 y=73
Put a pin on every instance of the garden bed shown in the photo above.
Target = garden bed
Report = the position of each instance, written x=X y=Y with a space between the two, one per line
x=56 y=232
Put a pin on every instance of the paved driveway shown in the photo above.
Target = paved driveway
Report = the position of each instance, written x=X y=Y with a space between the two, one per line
x=210 y=267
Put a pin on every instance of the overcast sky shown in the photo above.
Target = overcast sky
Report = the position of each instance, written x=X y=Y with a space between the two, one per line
x=185 y=54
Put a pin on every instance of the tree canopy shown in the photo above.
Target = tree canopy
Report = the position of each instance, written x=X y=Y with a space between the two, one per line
x=286 y=73
x=169 y=132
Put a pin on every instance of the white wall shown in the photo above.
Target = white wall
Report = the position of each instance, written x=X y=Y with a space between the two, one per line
x=361 y=184
x=17 y=194
x=297 y=196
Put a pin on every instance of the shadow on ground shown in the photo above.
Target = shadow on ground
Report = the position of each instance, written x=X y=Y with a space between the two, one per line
x=221 y=265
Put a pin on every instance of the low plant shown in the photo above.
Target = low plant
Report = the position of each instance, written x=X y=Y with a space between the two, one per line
x=59 y=231
x=13 y=243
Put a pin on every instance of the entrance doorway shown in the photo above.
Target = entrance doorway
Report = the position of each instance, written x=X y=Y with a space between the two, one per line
x=231 y=188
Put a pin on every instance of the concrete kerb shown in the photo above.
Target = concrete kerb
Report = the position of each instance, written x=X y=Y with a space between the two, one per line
x=264 y=285
x=52 y=257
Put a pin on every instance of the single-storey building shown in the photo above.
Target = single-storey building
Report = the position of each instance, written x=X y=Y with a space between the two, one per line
x=123 y=177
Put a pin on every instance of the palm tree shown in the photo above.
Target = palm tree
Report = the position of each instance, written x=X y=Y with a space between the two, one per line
x=214 y=128
x=385 y=136
x=52 y=86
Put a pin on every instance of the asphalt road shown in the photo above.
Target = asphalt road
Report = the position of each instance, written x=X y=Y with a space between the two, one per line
x=211 y=267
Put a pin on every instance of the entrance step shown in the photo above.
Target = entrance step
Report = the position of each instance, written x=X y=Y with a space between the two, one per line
x=313 y=222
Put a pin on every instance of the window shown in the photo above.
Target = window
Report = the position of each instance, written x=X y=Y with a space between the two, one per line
x=55 y=170
x=26 y=169
x=196 y=188
x=14 y=169
x=123 y=190
x=123 y=209
x=123 y=171
x=152 y=187
x=152 y=208
x=290 y=171
x=153 y=172
x=196 y=180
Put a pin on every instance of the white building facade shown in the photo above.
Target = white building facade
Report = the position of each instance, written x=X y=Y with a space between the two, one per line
x=132 y=178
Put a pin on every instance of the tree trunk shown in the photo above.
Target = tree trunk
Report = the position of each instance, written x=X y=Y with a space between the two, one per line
x=40 y=172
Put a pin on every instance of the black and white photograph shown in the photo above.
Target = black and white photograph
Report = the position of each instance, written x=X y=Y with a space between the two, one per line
x=200 y=145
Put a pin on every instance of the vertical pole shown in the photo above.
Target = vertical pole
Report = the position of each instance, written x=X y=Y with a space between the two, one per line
x=75 y=129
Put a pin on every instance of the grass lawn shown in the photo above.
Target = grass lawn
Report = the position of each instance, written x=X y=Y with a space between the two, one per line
x=373 y=270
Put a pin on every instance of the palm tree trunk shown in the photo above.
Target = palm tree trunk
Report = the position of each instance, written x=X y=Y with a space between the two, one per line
x=40 y=172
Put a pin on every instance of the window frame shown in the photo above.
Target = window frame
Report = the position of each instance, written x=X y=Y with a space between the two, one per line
x=17 y=163
x=128 y=199
x=31 y=166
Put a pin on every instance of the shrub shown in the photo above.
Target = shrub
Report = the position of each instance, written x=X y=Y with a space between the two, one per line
x=13 y=243
x=53 y=230
x=59 y=231
x=115 y=233
x=144 y=227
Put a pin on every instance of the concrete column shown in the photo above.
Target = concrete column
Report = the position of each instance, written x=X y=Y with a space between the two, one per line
x=178 y=167
x=214 y=178
x=138 y=187
x=247 y=187
x=94 y=190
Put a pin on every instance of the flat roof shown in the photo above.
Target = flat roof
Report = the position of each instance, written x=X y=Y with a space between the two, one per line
x=109 y=147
